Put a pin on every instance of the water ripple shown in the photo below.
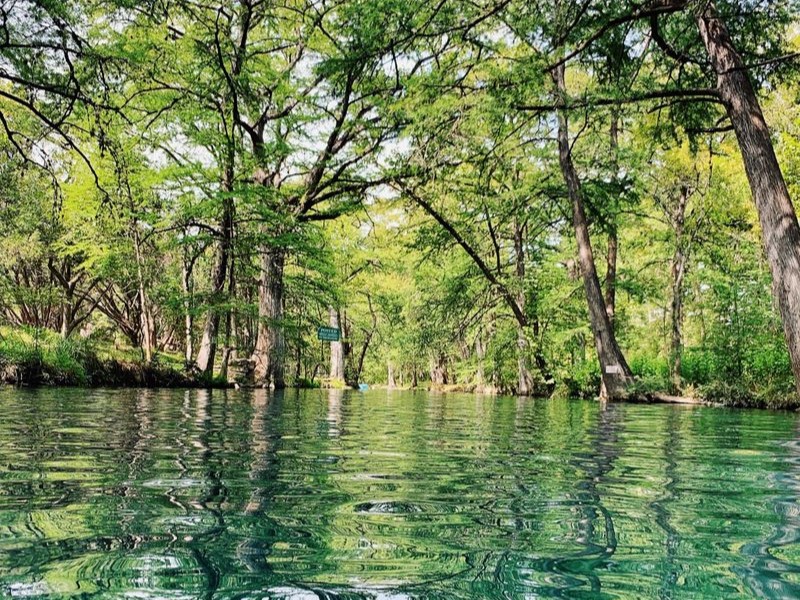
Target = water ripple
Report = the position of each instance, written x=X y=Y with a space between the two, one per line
x=245 y=495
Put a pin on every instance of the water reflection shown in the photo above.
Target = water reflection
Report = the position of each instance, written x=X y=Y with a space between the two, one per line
x=335 y=412
x=332 y=494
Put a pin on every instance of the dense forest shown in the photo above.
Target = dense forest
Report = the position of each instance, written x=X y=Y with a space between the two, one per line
x=575 y=198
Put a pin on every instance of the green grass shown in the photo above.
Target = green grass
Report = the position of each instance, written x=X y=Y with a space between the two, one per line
x=42 y=357
x=765 y=380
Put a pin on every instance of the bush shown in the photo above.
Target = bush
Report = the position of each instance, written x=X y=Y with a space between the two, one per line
x=766 y=380
x=647 y=385
x=768 y=364
x=649 y=367
x=727 y=394
x=36 y=357
x=652 y=374
x=21 y=358
x=304 y=383
x=583 y=380
x=699 y=367
x=65 y=361
x=779 y=395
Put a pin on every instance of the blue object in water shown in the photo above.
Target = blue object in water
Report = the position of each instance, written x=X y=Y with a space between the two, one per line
x=363 y=387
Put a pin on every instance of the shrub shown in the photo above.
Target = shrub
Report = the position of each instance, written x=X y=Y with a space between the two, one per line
x=728 y=394
x=304 y=383
x=583 y=380
x=34 y=357
x=649 y=367
x=768 y=363
x=699 y=367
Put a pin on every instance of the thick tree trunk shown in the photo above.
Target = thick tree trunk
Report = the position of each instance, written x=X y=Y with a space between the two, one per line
x=439 y=370
x=270 y=345
x=780 y=231
x=350 y=368
x=337 y=348
x=615 y=373
x=219 y=277
x=680 y=258
x=524 y=377
x=208 y=341
x=65 y=317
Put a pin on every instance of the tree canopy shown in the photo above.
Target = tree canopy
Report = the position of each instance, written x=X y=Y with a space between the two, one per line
x=528 y=197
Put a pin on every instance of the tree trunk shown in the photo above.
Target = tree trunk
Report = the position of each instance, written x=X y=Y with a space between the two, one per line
x=390 y=381
x=613 y=240
x=69 y=317
x=231 y=323
x=676 y=343
x=65 y=312
x=146 y=320
x=188 y=323
x=367 y=340
x=615 y=373
x=439 y=370
x=208 y=342
x=68 y=310
x=776 y=213
x=270 y=343
x=480 y=355
x=611 y=274
x=524 y=377
x=337 y=348
x=350 y=368
x=680 y=258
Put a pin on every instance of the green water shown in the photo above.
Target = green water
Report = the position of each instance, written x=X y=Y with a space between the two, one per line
x=194 y=494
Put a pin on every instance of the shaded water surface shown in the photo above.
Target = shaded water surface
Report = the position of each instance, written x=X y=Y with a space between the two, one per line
x=195 y=494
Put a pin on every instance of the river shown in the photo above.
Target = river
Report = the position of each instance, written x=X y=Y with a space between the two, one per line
x=391 y=495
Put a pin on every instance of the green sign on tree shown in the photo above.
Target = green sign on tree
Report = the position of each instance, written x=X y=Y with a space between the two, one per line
x=328 y=334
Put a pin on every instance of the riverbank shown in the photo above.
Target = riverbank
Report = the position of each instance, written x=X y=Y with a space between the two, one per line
x=713 y=396
x=45 y=359
x=723 y=395
x=32 y=358
x=95 y=373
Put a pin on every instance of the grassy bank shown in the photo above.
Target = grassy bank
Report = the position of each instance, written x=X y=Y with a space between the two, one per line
x=36 y=357
x=763 y=380
x=41 y=357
